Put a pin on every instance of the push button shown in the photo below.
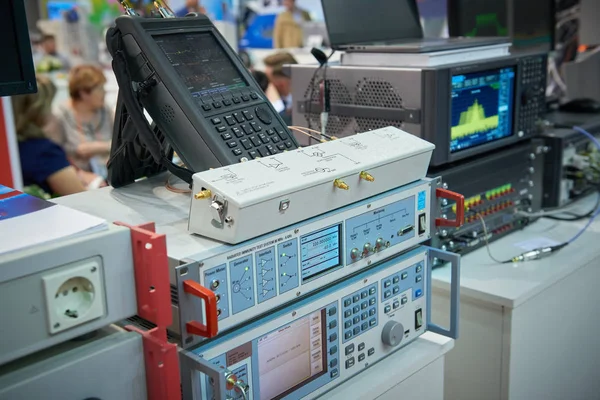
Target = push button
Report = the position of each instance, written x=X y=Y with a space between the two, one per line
x=361 y=357
x=333 y=337
x=332 y=324
x=349 y=349
x=334 y=373
x=371 y=351
x=350 y=363
x=216 y=120
x=361 y=347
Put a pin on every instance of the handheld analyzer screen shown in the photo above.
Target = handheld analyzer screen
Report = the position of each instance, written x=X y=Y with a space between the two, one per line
x=292 y=356
x=201 y=62
x=481 y=107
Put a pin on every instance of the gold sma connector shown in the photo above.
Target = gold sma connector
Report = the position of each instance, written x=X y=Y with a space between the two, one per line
x=340 y=184
x=203 y=194
x=366 y=176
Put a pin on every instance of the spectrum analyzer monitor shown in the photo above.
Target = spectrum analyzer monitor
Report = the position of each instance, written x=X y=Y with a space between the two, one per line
x=529 y=23
x=481 y=107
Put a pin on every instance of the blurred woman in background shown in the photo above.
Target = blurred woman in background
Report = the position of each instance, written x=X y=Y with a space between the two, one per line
x=43 y=163
x=84 y=122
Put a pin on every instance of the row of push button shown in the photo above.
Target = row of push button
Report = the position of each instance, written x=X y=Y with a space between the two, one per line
x=333 y=362
x=361 y=357
x=208 y=103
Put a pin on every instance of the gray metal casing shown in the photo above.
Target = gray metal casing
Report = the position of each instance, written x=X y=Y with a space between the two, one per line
x=414 y=99
x=109 y=366
x=24 y=327
x=581 y=76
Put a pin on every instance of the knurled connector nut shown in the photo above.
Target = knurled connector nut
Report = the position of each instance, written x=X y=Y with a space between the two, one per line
x=203 y=194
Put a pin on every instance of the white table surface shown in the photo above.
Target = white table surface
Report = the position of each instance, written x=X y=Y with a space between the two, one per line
x=510 y=285
x=394 y=369
x=142 y=202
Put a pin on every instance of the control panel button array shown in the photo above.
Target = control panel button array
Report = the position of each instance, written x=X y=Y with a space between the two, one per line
x=360 y=312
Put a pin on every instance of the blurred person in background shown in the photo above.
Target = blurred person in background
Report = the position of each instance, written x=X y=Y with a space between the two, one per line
x=190 y=6
x=84 y=122
x=49 y=58
x=44 y=165
x=288 y=26
x=282 y=83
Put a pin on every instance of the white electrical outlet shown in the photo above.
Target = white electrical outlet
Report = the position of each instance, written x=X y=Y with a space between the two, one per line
x=74 y=295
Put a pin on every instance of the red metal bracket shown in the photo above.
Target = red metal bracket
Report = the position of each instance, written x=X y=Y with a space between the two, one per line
x=210 y=301
x=460 y=208
x=153 y=294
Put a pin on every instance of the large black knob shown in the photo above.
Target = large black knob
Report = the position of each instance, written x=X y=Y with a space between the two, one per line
x=263 y=115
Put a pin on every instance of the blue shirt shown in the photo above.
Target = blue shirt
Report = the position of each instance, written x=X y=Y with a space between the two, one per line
x=41 y=158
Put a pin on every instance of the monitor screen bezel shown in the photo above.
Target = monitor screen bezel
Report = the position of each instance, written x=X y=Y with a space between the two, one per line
x=512 y=104
x=27 y=84
x=480 y=67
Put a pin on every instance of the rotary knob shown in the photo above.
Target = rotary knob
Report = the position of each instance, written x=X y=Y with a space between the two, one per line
x=392 y=333
x=263 y=115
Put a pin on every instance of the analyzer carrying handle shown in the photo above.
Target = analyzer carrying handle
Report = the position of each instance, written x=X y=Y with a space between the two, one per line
x=454 y=260
x=460 y=208
x=210 y=307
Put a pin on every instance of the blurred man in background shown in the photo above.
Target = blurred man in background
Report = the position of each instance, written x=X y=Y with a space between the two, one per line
x=49 y=54
x=288 y=33
x=283 y=83
x=190 y=6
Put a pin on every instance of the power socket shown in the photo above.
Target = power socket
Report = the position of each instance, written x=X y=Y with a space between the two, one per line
x=75 y=295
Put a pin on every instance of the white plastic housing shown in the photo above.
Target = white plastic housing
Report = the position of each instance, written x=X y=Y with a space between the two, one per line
x=266 y=194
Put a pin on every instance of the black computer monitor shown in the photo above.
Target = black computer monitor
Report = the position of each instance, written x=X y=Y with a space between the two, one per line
x=530 y=24
x=17 y=72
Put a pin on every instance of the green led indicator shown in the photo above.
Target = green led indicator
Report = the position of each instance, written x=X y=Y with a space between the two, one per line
x=246 y=269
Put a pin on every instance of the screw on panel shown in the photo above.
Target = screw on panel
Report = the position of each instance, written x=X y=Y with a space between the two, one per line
x=94 y=269
x=296 y=230
x=293 y=313
x=365 y=281
x=369 y=262
x=229 y=221
x=298 y=293
x=368 y=206
x=56 y=325
x=445 y=185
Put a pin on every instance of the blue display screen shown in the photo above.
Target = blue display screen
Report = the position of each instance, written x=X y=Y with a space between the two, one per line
x=482 y=107
x=320 y=251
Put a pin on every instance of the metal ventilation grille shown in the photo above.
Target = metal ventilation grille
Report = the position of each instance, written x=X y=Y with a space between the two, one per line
x=338 y=94
x=174 y=295
x=369 y=124
x=377 y=93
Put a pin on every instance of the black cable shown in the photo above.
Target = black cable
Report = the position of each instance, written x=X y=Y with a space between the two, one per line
x=577 y=217
x=312 y=88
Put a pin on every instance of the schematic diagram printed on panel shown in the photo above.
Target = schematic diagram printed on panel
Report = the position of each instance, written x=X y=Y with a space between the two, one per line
x=482 y=108
x=242 y=284
x=201 y=62
x=265 y=275
x=379 y=229
x=287 y=265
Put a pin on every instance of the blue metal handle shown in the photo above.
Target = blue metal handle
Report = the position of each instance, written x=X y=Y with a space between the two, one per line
x=454 y=260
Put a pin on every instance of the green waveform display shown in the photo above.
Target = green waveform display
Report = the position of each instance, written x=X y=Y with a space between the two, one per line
x=486 y=22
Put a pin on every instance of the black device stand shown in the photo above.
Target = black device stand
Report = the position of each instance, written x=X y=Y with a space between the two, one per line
x=138 y=149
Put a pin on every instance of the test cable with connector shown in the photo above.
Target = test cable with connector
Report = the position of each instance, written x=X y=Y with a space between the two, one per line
x=543 y=252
